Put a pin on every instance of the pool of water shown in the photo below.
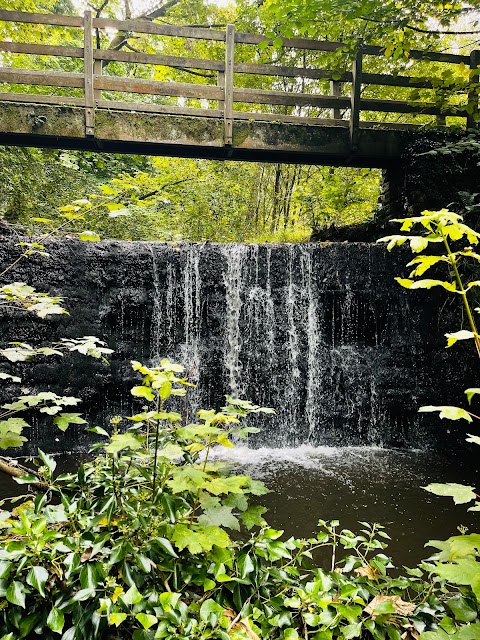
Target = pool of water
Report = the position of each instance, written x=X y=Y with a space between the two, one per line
x=351 y=484
x=355 y=484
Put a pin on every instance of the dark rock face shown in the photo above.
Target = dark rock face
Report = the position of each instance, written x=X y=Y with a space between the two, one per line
x=321 y=333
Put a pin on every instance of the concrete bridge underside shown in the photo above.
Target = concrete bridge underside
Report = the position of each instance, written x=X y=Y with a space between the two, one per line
x=63 y=127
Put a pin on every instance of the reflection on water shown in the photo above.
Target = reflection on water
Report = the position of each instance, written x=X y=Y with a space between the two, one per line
x=350 y=484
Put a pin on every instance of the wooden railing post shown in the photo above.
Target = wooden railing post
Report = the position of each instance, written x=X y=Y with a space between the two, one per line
x=472 y=122
x=88 y=74
x=228 y=101
x=356 y=95
x=336 y=90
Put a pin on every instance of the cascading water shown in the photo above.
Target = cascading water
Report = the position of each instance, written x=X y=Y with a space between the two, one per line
x=284 y=327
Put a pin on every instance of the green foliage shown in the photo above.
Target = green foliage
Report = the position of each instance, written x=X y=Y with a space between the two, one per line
x=137 y=543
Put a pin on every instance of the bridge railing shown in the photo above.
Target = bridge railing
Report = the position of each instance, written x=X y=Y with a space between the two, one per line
x=345 y=102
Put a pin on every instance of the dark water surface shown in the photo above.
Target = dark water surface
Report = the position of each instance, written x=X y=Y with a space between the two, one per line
x=355 y=484
x=351 y=484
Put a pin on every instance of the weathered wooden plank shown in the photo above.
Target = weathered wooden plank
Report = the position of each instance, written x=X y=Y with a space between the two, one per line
x=416 y=54
x=40 y=18
x=397 y=106
x=143 y=26
x=396 y=81
x=47 y=78
x=260 y=96
x=355 y=95
x=259 y=69
x=117 y=105
x=42 y=49
x=41 y=99
x=88 y=74
x=180 y=89
x=336 y=90
x=228 y=100
x=293 y=43
x=165 y=61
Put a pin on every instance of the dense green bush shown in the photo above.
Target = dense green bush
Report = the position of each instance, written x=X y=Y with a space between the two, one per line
x=138 y=544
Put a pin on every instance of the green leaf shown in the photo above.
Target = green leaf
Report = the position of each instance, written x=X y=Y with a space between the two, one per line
x=232 y=484
x=16 y=594
x=253 y=516
x=465 y=571
x=290 y=634
x=353 y=630
x=89 y=236
x=143 y=392
x=221 y=516
x=450 y=413
x=56 y=620
x=473 y=391
x=121 y=441
x=461 y=609
x=473 y=439
x=418 y=243
x=146 y=620
x=460 y=493
x=452 y=338
x=37 y=578
x=199 y=539
x=116 y=618
x=133 y=596
x=64 y=419
x=208 y=608
x=426 y=284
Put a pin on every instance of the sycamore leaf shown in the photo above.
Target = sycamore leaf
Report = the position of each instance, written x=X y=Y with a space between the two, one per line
x=253 y=516
x=233 y=484
x=122 y=441
x=424 y=263
x=471 y=392
x=15 y=425
x=450 y=413
x=220 y=516
x=427 y=284
x=418 y=243
x=143 y=392
x=460 y=493
x=393 y=241
x=199 y=539
x=458 y=335
x=7 y=376
x=465 y=571
x=64 y=419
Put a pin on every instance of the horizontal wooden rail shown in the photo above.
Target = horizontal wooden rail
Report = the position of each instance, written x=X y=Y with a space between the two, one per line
x=40 y=18
x=143 y=26
x=346 y=99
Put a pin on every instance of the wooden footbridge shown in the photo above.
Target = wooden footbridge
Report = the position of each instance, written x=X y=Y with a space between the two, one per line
x=92 y=107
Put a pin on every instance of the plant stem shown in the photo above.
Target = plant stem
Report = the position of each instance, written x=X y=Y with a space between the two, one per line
x=462 y=292
x=155 y=454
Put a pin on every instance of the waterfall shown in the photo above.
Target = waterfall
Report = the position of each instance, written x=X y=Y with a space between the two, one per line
x=273 y=324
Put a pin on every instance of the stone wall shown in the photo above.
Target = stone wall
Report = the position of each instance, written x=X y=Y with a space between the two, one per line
x=320 y=332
